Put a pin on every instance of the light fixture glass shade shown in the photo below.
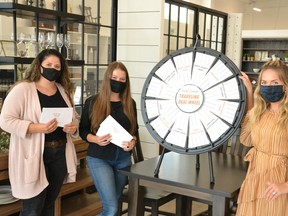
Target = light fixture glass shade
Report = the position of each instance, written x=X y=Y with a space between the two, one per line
x=256 y=9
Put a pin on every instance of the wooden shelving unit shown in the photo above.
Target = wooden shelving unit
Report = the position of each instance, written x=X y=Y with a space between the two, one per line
x=266 y=47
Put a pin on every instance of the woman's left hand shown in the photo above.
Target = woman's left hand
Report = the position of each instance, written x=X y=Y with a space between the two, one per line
x=129 y=145
x=275 y=190
x=70 y=128
x=246 y=81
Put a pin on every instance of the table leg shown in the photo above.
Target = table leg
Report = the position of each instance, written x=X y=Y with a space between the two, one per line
x=183 y=206
x=219 y=206
x=135 y=198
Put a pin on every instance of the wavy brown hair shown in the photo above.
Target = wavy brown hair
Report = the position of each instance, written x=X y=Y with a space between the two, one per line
x=260 y=105
x=102 y=105
x=33 y=73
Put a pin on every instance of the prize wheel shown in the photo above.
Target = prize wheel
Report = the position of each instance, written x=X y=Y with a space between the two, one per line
x=193 y=100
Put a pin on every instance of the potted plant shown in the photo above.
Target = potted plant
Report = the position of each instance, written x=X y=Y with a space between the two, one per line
x=4 y=141
x=285 y=57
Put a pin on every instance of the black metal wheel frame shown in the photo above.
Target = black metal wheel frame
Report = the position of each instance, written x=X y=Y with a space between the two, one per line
x=238 y=114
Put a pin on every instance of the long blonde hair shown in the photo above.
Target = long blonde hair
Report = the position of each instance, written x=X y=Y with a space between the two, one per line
x=260 y=105
x=102 y=105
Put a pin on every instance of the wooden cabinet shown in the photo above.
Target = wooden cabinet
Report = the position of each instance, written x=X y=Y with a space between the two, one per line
x=255 y=52
x=72 y=200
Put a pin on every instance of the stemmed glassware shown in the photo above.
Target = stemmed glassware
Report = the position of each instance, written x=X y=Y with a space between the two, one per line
x=67 y=44
x=50 y=40
x=41 y=39
x=21 y=46
x=59 y=41
x=30 y=45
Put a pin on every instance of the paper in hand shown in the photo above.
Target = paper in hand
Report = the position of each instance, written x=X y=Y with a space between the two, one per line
x=64 y=115
x=112 y=127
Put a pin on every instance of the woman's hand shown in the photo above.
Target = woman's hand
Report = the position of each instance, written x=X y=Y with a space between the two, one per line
x=129 y=145
x=46 y=128
x=100 y=140
x=50 y=126
x=275 y=190
x=70 y=128
x=246 y=81
x=249 y=89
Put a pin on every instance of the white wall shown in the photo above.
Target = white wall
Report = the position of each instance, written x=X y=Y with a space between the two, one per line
x=139 y=47
x=273 y=16
x=234 y=38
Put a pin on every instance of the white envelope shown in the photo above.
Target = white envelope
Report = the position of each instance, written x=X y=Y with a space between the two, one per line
x=63 y=115
x=112 y=127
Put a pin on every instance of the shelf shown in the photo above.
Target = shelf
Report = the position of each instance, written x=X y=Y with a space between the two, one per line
x=75 y=62
x=15 y=60
x=10 y=209
x=253 y=61
x=252 y=73
x=266 y=49
x=19 y=60
x=30 y=11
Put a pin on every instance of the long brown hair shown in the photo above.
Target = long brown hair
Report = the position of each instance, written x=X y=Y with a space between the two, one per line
x=102 y=106
x=33 y=73
x=260 y=105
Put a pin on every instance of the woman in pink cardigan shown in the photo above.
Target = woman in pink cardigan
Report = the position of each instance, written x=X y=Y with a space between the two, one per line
x=41 y=155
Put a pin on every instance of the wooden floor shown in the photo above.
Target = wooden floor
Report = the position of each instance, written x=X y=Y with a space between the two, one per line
x=170 y=207
x=82 y=204
x=71 y=206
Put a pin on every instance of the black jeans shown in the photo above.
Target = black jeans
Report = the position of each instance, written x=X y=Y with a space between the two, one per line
x=56 y=169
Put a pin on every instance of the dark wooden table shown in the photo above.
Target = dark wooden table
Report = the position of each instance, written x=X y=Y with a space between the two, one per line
x=178 y=174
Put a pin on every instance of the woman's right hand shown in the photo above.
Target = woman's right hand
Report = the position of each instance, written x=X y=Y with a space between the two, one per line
x=100 y=140
x=46 y=128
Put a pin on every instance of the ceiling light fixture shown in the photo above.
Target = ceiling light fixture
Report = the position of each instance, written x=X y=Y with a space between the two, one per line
x=256 y=9
x=253 y=2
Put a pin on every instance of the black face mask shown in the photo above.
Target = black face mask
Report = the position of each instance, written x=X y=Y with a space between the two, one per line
x=272 y=93
x=116 y=86
x=51 y=74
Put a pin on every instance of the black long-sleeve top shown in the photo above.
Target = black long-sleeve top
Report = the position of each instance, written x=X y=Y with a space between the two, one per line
x=107 y=152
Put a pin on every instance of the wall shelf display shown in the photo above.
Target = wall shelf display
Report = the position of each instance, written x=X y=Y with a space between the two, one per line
x=256 y=52
x=33 y=29
x=34 y=26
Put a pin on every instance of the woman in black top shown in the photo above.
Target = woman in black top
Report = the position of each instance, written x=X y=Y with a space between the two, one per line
x=105 y=158
x=41 y=155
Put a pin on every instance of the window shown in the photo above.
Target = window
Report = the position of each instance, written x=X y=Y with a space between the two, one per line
x=183 y=21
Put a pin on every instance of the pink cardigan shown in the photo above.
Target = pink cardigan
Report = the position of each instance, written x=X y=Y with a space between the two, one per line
x=26 y=167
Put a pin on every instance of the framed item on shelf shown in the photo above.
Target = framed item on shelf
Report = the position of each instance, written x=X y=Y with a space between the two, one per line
x=1 y=50
x=264 y=56
x=258 y=56
x=8 y=48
